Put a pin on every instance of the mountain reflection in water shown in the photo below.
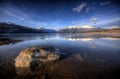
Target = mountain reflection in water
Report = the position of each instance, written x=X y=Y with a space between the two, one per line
x=79 y=39
x=82 y=56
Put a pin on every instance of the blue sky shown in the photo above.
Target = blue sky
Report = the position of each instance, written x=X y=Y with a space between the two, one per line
x=56 y=14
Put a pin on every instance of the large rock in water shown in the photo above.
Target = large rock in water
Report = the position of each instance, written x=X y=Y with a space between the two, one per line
x=35 y=57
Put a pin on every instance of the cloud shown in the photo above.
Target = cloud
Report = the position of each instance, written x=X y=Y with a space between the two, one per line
x=105 y=3
x=80 y=7
x=93 y=20
x=87 y=9
x=108 y=21
x=14 y=12
x=73 y=22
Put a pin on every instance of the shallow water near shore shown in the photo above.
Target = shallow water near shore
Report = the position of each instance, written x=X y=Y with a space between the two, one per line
x=84 y=56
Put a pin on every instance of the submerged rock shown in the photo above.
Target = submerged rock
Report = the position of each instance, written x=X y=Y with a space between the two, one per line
x=35 y=58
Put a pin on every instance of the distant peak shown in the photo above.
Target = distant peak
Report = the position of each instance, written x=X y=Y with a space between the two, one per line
x=40 y=28
x=114 y=27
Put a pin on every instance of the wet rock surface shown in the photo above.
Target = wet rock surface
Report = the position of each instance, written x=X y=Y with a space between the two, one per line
x=35 y=60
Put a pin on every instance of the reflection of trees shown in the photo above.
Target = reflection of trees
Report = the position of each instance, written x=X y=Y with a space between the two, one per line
x=5 y=41
x=29 y=36
x=35 y=60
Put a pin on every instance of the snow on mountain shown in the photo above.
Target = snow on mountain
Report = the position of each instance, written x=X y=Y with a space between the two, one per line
x=84 y=26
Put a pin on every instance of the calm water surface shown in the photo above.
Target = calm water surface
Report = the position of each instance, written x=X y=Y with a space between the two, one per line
x=84 y=57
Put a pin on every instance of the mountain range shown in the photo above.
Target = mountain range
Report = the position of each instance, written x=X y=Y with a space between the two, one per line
x=14 y=28
x=87 y=29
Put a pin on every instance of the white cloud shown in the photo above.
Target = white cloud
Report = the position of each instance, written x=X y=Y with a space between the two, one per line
x=80 y=7
x=13 y=11
x=108 y=21
x=73 y=22
x=93 y=20
x=105 y=3
x=12 y=14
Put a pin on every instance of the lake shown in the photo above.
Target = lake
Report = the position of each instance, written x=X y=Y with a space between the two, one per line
x=83 y=56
